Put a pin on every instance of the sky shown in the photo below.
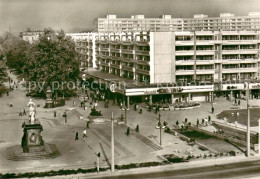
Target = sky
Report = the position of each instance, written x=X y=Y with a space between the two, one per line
x=79 y=15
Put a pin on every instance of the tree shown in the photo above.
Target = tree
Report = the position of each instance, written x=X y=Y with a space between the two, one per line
x=128 y=131
x=137 y=128
x=15 y=50
x=53 y=60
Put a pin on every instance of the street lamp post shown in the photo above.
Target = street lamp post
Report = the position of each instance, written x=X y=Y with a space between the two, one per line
x=160 y=129
x=259 y=136
x=125 y=114
x=248 y=122
x=112 y=145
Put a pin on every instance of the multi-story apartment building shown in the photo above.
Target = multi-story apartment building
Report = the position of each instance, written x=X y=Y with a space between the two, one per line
x=84 y=45
x=179 y=58
x=226 y=21
x=170 y=57
x=176 y=52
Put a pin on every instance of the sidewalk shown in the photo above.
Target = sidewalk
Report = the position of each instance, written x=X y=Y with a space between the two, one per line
x=177 y=166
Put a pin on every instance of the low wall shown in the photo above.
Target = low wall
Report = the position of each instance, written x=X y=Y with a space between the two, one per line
x=185 y=138
x=223 y=137
x=240 y=133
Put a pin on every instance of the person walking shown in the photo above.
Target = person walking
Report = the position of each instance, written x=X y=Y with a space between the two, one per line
x=85 y=133
x=77 y=136
x=20 y=112
x=24 y=112
x=212 y=110
x=54 y=113
x=65 y=118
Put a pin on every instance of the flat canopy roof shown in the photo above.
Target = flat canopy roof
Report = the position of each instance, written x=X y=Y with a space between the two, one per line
x=114 y=78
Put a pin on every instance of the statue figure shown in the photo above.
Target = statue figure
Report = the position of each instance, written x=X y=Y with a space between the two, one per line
x=32 y=117
x=31 y=105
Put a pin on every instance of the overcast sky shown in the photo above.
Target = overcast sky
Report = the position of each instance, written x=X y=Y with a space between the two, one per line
x=78 y=15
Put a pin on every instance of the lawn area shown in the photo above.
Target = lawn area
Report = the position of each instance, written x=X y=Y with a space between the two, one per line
x=210 y=141
x=232 y=116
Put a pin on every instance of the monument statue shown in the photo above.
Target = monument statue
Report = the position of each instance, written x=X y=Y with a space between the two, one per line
x=31 y=106
x=33 y=145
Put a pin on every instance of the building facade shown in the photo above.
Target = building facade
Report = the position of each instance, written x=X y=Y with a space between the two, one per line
x=31 y=36
x=181 y=58
x=172 y=57
x=226 y=22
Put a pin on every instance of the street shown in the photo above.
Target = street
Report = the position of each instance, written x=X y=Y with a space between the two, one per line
x=238 y=170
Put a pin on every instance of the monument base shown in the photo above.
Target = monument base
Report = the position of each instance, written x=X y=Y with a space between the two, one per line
x=16 y=153
x=49 y=105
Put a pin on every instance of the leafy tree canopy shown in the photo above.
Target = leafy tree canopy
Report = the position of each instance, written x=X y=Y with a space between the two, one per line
x=14 y=50
x=52 y=59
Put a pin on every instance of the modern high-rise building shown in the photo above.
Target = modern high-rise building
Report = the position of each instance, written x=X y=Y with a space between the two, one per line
x=178 y=58
x=199 y=22
x=171 y=57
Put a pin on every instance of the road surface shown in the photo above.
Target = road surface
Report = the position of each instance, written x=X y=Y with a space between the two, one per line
x=248 y=169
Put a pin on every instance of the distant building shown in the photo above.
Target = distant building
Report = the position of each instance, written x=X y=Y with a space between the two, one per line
x=199 y=22
x=31 y=35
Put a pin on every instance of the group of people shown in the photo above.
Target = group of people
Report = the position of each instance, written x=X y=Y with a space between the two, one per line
x=22 y=112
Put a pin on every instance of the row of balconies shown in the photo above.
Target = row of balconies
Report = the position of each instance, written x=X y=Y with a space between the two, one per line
x=212 y=52
x=227 y=61
x=126 y=68
x=126 y=42
x=212 y=71
x=212 y=42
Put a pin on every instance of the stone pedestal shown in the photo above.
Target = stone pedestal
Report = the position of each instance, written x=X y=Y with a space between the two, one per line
x=49 y=101
x=33 y=146
x=32 y=140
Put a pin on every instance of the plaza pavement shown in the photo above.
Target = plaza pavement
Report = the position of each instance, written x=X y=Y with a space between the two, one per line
x=81 y=154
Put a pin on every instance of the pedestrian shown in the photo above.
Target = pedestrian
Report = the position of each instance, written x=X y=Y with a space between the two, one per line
x=24 y=112
x=77 y=136
x=54 y=113
x=73 y=102
x=135 y=107
x=212 y=110
x=20 y=112
x=65 y=118
x=85 y=133
x=121 y=105
x=238 y=102
x=7 y=93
